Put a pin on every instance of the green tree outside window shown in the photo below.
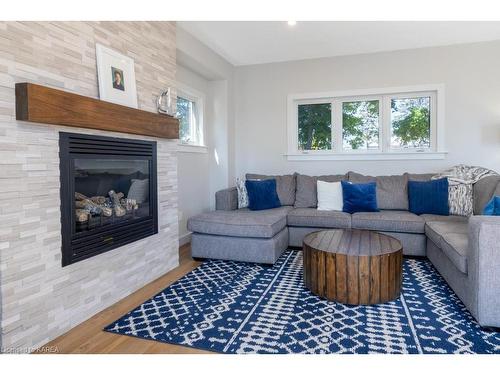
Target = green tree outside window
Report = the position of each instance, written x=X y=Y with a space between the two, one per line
x=184 y=114
x=410 y=122
x=360 y=125
x=315 y=126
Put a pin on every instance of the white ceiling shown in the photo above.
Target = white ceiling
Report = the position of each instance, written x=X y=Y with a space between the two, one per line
x=249 y=42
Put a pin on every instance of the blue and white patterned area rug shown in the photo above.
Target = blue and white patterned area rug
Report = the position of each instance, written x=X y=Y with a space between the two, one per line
x=232 y=307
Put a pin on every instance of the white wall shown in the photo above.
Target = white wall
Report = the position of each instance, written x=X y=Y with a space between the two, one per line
x=201 y=175
x=472 y=105
x=192 y=167
x=218 y=137
x=219 y=73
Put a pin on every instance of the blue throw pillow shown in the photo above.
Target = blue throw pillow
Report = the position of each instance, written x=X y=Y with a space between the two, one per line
x=359 y=197
x=429 y=197
x=262 y=194
x=493 y=207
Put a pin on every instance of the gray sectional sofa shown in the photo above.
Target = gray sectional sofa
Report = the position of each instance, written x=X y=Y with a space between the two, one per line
x=466 y=251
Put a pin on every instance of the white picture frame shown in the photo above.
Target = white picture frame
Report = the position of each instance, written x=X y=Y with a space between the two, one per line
x=116 y=77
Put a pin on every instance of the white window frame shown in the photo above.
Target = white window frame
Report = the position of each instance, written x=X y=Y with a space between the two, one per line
x=198 y=98
x=384 y=95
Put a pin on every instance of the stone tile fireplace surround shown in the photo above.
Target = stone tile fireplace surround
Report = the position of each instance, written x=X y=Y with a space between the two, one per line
x=40 y=299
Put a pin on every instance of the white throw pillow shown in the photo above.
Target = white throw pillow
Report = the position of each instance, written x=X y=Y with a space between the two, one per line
x=139 y=190
x=330 y=196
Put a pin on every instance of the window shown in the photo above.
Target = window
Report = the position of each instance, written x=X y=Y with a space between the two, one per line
x=411 y=122
x=360 y=125
x=315 y=126
x=385 y=124
x=190 y=115
x=186 y=110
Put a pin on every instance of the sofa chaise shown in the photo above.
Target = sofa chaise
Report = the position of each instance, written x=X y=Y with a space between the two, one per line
x=466 y=251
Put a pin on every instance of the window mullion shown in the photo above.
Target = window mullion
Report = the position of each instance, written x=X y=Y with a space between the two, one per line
x=294 y=136
x=196 y=130
x=192 y=123
x=386 y=123
x=434 y=138
x=334 y=126
x=337 y=125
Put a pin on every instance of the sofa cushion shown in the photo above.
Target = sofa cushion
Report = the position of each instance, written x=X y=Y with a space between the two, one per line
x=452 y=218
x=429 y=197
x=311 y=217
x=455 y=246
x=240 y=223
x=493 y=207
x=436 y=229
x=226 y=199
x=483 y=190
x=262 y=194
x=330 y=196
x=389 y=221
x=392 y=191
x=360 y=197
x=420 y=176
x=241 y=189
x=285 y=186
x=306 y=194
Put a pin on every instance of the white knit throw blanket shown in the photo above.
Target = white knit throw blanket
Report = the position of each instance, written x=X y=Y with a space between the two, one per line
x=461 y=179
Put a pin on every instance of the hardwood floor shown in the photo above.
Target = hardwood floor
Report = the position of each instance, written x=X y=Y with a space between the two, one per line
x=88 y=337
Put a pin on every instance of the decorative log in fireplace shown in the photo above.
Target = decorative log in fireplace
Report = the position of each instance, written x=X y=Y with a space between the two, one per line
x=108 y=193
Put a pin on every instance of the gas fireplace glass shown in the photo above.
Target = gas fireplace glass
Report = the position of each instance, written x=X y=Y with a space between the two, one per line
x=108 y=191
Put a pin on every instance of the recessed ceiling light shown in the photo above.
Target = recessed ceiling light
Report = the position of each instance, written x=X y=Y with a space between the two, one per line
x=292 y=23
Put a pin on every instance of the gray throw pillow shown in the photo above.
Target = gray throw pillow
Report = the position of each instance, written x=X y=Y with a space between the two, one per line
x=307 y=192
x=392 y=191
x=139 y=190
x=285 y=186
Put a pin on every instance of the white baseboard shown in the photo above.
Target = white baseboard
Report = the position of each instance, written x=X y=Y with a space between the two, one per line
x=185 y=238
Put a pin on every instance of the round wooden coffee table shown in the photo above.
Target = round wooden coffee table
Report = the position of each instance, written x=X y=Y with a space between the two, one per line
x=352 y=266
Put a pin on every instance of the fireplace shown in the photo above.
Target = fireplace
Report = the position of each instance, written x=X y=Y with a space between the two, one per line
x=108 y=193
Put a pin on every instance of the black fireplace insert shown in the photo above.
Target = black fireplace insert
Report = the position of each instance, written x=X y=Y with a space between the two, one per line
x=108 y=193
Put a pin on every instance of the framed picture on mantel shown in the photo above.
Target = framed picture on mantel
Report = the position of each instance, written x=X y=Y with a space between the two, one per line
x=116 y=76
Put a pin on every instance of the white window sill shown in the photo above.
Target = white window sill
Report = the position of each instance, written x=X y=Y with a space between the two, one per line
x=404 y=155
x=192 y=148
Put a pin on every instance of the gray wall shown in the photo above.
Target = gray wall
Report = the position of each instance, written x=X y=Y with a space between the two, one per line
x=472 y=100
x=40 y=300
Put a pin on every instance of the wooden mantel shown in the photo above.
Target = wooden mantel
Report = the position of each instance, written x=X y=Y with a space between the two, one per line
x=45 y=105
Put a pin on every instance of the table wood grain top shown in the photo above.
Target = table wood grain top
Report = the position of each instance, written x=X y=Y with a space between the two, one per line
x=352 y=242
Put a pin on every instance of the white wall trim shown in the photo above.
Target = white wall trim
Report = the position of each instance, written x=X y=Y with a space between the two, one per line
x=188 y=92
x=185 y=238
x=437 y=124
x=197 y=149
x=367 y=92
x=368 y=156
